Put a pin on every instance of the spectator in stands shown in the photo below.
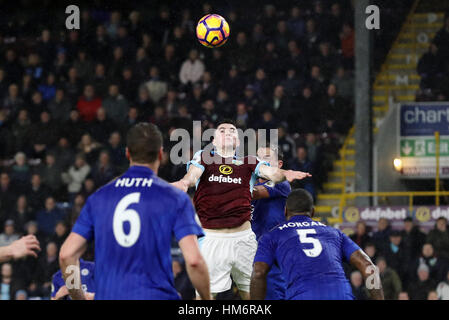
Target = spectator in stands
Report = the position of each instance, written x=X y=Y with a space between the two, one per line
x=59 y=106
x=443 y=288
x=9 y=235
x=430 y=67
x=103 y=171
x=12 y=102
x=88 y=104
x=344 y=83
x=89 y=148
x=192 y=69
x=419 y=289
x=38 y=192
x=361 y=236
x=116 y=149
x=75 y=176
x=102 y=126
x=302 y=163
x=347 y=37
x=48 y=89
x=74 y=128
x=432 y=295
x=391 y=283
x=60 y=234
x=52 y=173
x=8 y=284
x=370 y=250
x=412 y=238
x=43 y=135
x=21 y=295
x=100 y=80
x=48 y=217
x=439 y=238
x=115 y=104
x=21 y=130
x=358 y=289
x=21 y=173
x=22 y=214
x=437 y=265
x=46 y=267
x=157 y=87
x=394 y=254
x=381 y=236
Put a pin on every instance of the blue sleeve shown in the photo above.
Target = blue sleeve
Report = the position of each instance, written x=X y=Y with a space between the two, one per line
x=185 y=223
x=84 y=225
x=281 y=190
x=196 y=161
x=348 y=246
x=265 y=250
x=57 y=283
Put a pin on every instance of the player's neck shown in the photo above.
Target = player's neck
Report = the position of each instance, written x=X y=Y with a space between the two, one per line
x=225 y=152
x=152 y=166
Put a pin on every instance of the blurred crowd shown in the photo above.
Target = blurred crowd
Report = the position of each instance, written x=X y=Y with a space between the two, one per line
x=433 y=67
x=68 y=97
x=413 y=265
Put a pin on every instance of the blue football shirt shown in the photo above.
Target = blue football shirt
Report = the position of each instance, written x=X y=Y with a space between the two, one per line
x=310 y=255
x=132 y=220
x=268 y=213
x=87 y=270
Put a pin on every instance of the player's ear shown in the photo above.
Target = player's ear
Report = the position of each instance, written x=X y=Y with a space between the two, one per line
x=312 y=213
x=161 y=152
x=128 y=156
x=280 y=163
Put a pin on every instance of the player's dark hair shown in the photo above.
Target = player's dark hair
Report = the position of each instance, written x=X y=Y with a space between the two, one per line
x=299 y=201
x=227 y=121
x=144 y=140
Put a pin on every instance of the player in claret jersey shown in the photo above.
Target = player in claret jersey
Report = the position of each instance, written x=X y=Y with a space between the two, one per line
x=132 y=220
x=310 y=255
x=223 y=202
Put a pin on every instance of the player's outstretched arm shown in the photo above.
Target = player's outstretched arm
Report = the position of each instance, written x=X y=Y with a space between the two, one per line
x=196 y=266
x=370 y=274
x=189 y=180
x=278 y=175
x=258 y=286
x=25 y=246
x=71 y=251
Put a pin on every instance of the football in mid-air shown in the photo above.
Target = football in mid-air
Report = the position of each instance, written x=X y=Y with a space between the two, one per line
x=212 y=31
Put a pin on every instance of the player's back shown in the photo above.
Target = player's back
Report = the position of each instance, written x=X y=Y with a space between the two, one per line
x=310 y=255
x=134 y=218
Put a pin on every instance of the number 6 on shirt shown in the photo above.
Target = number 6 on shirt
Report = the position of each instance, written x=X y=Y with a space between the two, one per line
x=317 y=248
x=121 y=214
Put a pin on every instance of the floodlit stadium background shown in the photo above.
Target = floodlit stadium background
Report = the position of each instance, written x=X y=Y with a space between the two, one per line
x=67 y=97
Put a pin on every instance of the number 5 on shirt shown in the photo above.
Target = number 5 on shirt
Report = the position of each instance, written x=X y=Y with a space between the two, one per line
x=303 y=238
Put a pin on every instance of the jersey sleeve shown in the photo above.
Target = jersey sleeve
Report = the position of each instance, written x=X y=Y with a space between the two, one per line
x=185 y=223
x=265 y=250
x=196 y=161
x=56 y=283
x=348 y=246
x=84 y=225
x=257 y=167
x=279 y=190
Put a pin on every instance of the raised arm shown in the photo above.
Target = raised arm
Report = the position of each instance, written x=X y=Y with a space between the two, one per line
x=278 y=175
x=71 y=251
x=190 y=179
x=25 y=246
x=370 y=274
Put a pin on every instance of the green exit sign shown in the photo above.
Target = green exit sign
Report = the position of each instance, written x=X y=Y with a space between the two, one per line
x=419 y=147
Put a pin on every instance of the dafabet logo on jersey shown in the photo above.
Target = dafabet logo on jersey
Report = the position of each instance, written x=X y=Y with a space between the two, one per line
x=225 y=169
